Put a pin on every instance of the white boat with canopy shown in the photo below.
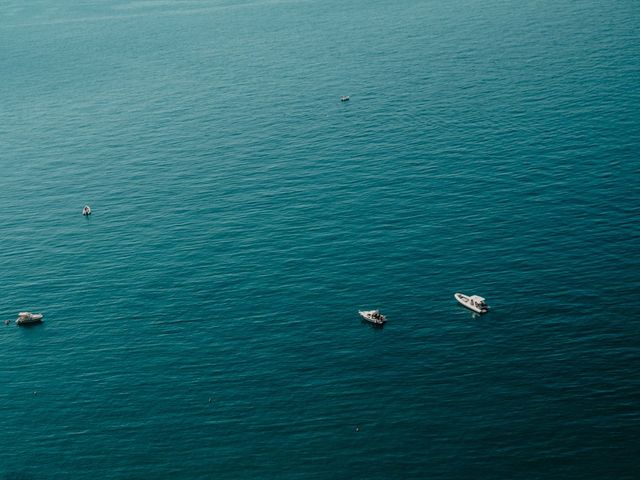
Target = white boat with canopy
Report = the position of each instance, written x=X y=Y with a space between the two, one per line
x=27 y=318
x=473 y=302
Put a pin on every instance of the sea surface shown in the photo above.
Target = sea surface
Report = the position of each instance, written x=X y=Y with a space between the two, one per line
x=202 y=323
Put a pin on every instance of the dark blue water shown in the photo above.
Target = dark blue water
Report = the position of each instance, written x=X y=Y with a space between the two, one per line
x=202 y=323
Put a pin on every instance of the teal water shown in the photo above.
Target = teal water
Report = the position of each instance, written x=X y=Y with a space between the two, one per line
x=202 y=323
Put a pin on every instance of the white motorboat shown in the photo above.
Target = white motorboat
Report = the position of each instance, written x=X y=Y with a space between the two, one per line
x=373 y=316
x=27 y=318
x=344 y=98
x=86 y=211
x=473 y=302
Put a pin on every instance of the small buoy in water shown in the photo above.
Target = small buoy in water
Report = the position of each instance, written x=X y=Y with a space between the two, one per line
x=6 y=322
x=35 y=392
x=357 y=428
x=210 y=400
x=86 y=211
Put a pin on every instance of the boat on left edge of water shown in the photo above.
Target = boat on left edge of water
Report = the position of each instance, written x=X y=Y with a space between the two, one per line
x=28 y=318
x=373 y=316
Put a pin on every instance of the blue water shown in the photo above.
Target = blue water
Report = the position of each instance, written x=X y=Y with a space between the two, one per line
x=202 y=323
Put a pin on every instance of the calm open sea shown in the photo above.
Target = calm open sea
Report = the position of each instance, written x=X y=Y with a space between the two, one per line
x=202 y=323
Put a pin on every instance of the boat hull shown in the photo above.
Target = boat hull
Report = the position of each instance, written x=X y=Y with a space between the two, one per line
x=29 y=320
x=466 y=302
x=367 y=316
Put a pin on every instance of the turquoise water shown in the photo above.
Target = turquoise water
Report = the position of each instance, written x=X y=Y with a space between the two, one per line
x=202 y=323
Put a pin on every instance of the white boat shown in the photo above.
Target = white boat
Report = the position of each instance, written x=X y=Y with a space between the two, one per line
x=473 y=302
x=344 y=98
x=86 y=210
x=26 y=318
x=373 y=316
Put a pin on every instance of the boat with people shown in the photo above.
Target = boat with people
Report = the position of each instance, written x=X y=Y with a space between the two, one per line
x=472 y=302
x=373 y=316
x=86 y=211
x=28 y=318
x=344 y=98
